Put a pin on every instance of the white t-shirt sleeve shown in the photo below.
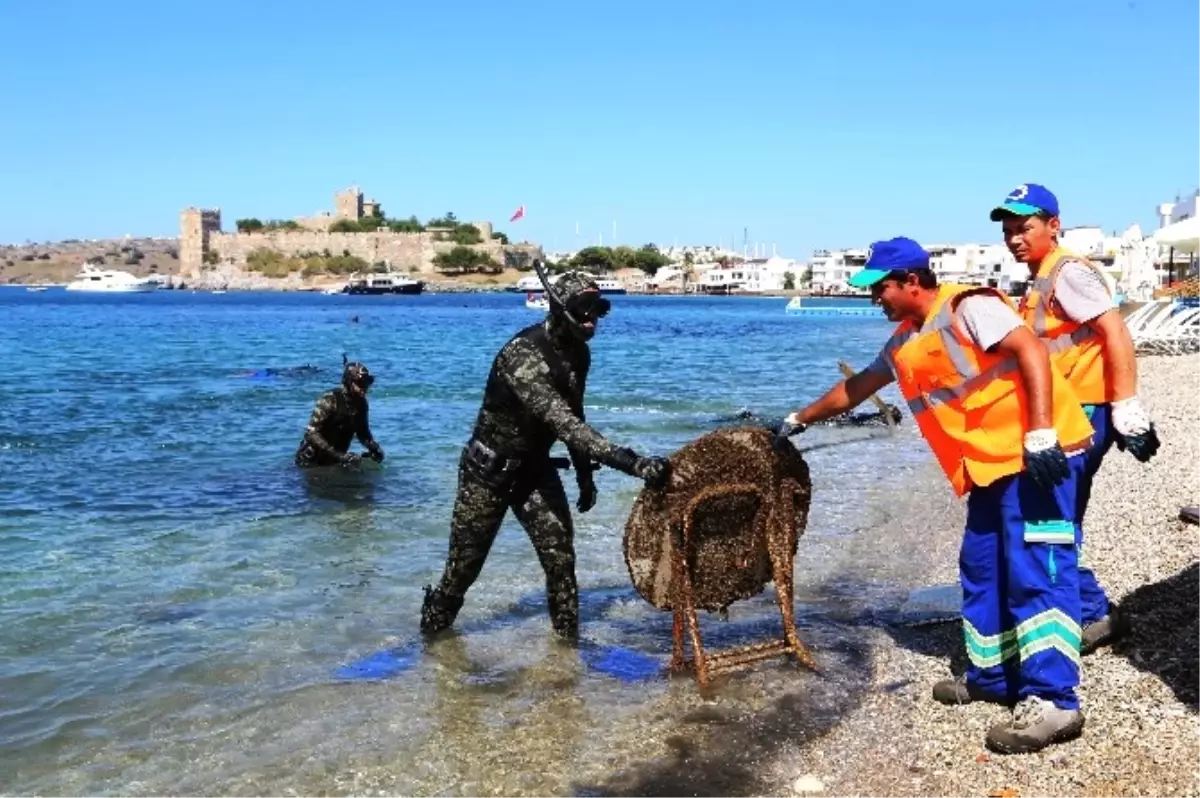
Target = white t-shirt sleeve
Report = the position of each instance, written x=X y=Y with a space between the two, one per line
x=987 y=319
x=881 y=366
x=1081 y=292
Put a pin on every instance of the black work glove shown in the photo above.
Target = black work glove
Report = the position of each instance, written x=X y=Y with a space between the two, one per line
x=1133 y=429
x=1143 y=446
x=587 y=494
x=375 y=452
x=654 y=471
x=351 y=460
x=783 y=433
x=1045 y=461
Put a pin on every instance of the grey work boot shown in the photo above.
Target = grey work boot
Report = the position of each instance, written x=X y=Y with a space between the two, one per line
x=957 y=691
x=1035 y=724
x=1109 y=629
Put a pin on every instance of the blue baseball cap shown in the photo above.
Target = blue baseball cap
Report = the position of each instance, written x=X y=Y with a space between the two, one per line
x=894 y=255
x=1026 y=200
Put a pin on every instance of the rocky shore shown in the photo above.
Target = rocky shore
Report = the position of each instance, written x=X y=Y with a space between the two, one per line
x=1140 y=696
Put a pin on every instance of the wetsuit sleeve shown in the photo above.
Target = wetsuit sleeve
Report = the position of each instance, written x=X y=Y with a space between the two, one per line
x=364 y=427
x=326 y=407
x=524 y=370
x=579 y=459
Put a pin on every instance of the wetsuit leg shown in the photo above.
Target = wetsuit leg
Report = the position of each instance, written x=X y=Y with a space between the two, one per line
x=546 y=517
x=479 y=509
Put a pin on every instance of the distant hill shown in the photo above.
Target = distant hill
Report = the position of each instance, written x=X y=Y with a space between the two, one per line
x=58 y=262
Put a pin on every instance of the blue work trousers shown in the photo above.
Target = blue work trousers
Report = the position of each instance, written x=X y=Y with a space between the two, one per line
x=1020 y=580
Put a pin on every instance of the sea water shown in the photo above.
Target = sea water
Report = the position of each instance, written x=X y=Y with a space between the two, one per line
x=176 y=598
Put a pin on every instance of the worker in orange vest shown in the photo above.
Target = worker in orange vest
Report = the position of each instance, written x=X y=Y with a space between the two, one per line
x=1009 y=434
x=1070 y=307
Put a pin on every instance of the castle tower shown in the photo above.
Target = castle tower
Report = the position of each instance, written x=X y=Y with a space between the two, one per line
x=195 y=227
x=348 y=204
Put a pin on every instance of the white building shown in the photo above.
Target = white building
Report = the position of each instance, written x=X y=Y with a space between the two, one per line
x=1177 y=211
x=830 y=270
x=977 y=264
x=753 y=276
x=1176 y=264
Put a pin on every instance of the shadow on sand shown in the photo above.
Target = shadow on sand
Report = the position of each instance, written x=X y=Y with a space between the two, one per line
x=1163 y=628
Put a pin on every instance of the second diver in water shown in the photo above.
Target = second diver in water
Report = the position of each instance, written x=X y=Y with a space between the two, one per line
x=340 y=416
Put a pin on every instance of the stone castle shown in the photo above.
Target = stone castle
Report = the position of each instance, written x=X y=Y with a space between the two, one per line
x=203 y=245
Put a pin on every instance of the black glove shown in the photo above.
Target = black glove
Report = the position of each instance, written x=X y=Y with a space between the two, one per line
x=783 y=433
x=654 y=471
x=1047 y=467
x=349 y=459
x=375 y=452
x=1143 y=446
x=587 y=495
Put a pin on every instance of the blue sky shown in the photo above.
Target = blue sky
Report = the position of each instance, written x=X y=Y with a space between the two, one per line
x=809 y=125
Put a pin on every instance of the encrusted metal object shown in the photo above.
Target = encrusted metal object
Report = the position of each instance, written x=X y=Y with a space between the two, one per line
x=727 y=525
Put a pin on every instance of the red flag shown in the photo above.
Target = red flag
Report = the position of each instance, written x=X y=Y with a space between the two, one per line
x=520 y=212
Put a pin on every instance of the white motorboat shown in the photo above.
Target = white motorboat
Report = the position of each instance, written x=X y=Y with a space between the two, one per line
x=615 y=287
x=533 y=285
x=91 y=278
x=379 y=284
x=535 y=302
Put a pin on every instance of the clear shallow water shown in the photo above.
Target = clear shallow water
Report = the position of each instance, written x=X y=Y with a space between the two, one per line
x=175 y=597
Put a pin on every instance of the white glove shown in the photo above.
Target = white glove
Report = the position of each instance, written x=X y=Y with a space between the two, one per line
x=1039 y=440
x=1129 y=417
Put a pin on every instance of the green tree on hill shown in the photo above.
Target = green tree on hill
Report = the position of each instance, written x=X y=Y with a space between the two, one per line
x=597 y=260
x=249 y=225
x=464 y=260
x=409 y=225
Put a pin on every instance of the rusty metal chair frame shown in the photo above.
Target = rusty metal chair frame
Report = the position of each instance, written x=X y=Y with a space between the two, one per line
x=781 y=535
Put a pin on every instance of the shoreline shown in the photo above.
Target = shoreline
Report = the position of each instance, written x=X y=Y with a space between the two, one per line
x=1139 y=696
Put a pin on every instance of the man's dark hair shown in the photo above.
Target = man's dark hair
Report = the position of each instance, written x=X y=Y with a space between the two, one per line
x=925 y=277
x=1045 y=216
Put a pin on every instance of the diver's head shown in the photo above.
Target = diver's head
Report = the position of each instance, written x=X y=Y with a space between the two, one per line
x=584 y=306
x=356 y=378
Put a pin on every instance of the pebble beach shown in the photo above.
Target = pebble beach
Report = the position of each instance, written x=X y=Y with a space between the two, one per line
x=1139 y=696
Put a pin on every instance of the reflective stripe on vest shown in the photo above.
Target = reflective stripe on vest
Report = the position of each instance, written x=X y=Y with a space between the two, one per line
x=1076 y=349
x=973 y=378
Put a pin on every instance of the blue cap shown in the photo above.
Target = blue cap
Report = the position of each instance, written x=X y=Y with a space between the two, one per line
x=1026 y=200
x=894 y=255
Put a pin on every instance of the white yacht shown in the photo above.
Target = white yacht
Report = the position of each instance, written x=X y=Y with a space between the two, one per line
x=378 y=284
x=611 y=286
x=532 y=285
x=91 y=278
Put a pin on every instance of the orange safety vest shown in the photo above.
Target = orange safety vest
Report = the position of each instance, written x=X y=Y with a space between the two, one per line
x=970 y=404
x=1075 y=349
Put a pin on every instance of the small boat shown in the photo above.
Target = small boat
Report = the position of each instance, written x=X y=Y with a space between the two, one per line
x=611 y=287
x=35 y=288
x=532 y=285
x=535 y=302
x=796 y=307
x=379 y=284
x=110 y=281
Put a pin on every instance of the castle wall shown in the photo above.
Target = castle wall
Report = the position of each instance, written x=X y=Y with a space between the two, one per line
x=401 y=251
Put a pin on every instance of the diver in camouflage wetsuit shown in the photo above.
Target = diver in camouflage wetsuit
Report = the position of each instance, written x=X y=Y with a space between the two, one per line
x=533 y=397
x=339 y=417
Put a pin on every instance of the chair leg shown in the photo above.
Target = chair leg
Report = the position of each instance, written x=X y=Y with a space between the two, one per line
x=783 y=573
x=699 y=660
x=677 y=659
